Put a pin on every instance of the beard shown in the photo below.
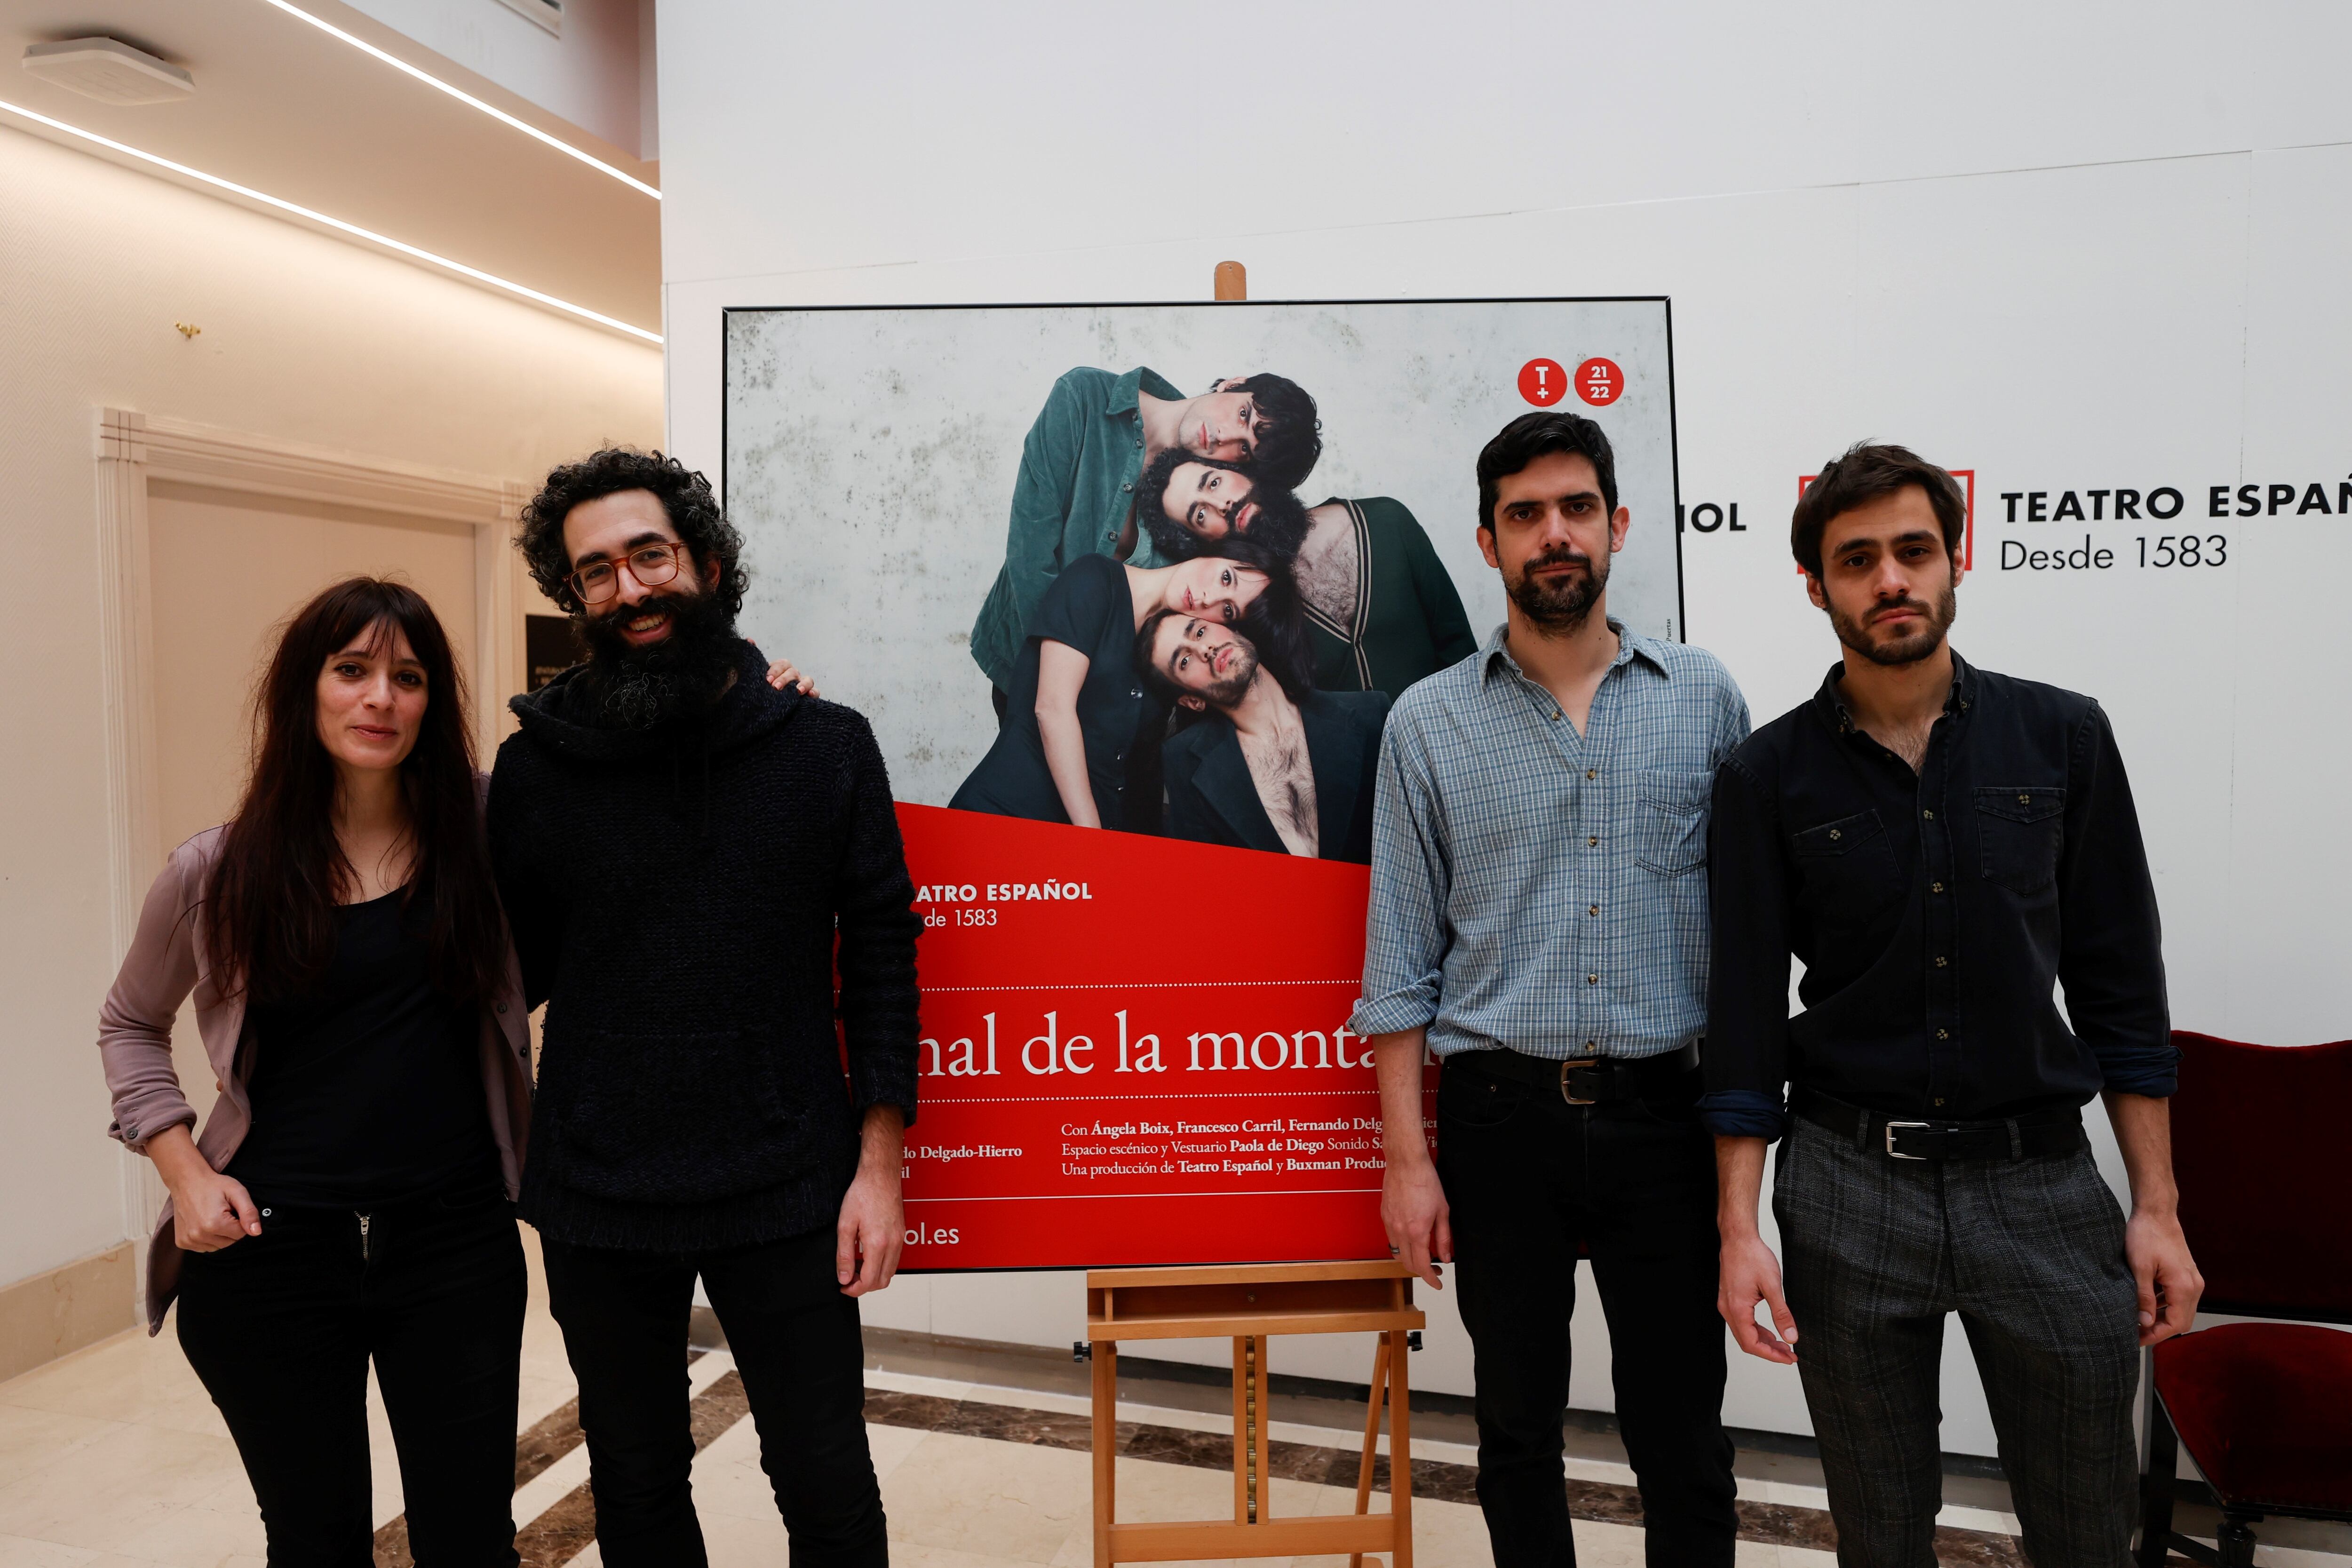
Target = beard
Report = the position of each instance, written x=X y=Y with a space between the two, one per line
x=635 y=688
x=1228 y=692
x=1562 y=604
x=1280 y=525
x=1908 y=649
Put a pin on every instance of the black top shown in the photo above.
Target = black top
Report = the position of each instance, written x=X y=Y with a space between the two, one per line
x=369 y=1090
x=675 y=896
x=1090 y=608
x=1212 y=799
x=1935 y=913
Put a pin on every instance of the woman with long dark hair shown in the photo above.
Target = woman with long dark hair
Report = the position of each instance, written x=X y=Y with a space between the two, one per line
x=349 y=1197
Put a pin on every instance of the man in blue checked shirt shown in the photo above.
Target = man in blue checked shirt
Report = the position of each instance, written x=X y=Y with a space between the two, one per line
x=1540 y=923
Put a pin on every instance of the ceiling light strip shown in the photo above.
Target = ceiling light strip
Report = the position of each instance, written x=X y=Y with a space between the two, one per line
x=467 y=98
x=475 y=273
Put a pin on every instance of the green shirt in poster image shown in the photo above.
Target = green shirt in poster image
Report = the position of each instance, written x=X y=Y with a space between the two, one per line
x=1382 y=612
x=1076 y=484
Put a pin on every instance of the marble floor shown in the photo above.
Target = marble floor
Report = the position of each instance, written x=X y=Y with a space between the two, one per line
x=115 y=1457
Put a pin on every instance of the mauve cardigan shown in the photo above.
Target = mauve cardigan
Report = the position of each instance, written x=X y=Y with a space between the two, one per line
x=165 y=964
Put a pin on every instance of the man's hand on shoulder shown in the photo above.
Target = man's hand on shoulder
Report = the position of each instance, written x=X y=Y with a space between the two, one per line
x=872 y=1230
x=783 y=676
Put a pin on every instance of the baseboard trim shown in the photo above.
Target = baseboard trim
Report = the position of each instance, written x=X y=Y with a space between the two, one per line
x=58 y=1311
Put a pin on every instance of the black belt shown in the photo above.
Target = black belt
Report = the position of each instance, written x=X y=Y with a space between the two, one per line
x=1899 y=1138
x=1586 y=1080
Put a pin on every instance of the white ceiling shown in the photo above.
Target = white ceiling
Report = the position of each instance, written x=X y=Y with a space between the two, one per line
x=299 y=115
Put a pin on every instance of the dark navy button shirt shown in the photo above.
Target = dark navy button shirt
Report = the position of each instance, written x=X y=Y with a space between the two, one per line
x=1935 y=912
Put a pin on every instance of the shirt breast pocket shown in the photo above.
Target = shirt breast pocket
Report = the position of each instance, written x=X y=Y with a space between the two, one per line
x=1847 y=864
x=1671 y=830
x=2019 y=830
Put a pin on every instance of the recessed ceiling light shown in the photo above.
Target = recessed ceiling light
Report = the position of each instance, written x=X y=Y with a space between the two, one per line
x=109 y=70
x=354 y=230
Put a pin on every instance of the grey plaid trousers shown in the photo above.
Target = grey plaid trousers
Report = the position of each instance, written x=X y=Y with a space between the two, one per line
x=2030 y=1254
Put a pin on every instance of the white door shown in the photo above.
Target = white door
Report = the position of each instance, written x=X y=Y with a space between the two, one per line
x=227 y=570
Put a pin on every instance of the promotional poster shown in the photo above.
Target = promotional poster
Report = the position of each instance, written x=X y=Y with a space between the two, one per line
x=1127 y=592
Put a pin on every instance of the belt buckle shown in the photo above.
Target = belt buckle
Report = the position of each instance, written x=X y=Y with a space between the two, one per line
x=1892 y=1152
x=1567 y=1067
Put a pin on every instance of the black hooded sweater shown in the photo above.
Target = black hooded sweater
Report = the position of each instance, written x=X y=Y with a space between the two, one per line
x=675 y=895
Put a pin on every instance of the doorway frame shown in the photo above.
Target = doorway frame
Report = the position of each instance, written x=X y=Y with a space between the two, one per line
x=133 y=449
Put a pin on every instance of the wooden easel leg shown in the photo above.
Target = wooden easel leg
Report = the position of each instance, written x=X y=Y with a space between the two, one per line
x=1253 y=1480
x=1241 y=1432
x=1106 y=1442
x=1400 y=1452
x=1262 y=1427
x=1371 y=1435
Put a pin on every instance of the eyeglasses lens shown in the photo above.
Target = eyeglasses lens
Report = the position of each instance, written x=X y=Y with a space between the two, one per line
x=653 y=566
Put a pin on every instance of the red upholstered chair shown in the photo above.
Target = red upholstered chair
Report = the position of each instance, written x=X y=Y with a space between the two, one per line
x=2265 y=1409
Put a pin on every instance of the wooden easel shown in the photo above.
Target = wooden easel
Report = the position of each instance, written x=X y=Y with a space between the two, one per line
x=1249 y=1303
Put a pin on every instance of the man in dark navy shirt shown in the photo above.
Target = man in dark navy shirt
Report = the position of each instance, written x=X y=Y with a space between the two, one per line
x=1943 y=848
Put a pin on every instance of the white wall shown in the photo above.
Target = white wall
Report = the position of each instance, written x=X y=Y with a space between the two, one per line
x=2070 y=247
x=304 y=339
x=591 y=74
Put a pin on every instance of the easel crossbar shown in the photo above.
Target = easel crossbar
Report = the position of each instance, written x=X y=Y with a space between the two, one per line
x=1330 y=1532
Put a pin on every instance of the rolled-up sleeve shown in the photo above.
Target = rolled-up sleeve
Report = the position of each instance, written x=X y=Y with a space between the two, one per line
x=1405 y=937
x=1747 y=1055
x=134 y=1024
x=2111 y=942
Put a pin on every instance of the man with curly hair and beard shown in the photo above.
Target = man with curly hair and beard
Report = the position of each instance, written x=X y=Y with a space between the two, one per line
x=680 y=847
x=1381 y=613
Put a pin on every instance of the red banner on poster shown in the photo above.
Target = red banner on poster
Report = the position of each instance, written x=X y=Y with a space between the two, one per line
x=1135 y=1051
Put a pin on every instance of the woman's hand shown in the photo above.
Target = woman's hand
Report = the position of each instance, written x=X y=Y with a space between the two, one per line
x=1061 y=672
x=782 y=677
x=209 y=1210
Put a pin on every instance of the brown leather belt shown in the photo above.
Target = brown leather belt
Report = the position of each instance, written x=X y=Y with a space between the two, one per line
x=1585 y=1080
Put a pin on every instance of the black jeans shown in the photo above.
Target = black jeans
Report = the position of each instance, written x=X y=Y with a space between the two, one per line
x=281 y=1326
x=1528 y=1177
x=795 y=1341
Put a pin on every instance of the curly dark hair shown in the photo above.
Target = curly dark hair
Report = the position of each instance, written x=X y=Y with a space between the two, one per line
x=1289 y=434
x=685 y=495
x=1281 y=525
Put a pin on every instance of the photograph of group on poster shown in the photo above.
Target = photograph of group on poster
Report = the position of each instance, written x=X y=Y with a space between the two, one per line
x=1129 y=589
x=1297 y=475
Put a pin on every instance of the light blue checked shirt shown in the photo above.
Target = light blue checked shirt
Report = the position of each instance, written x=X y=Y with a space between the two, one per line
x=1540 y=890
